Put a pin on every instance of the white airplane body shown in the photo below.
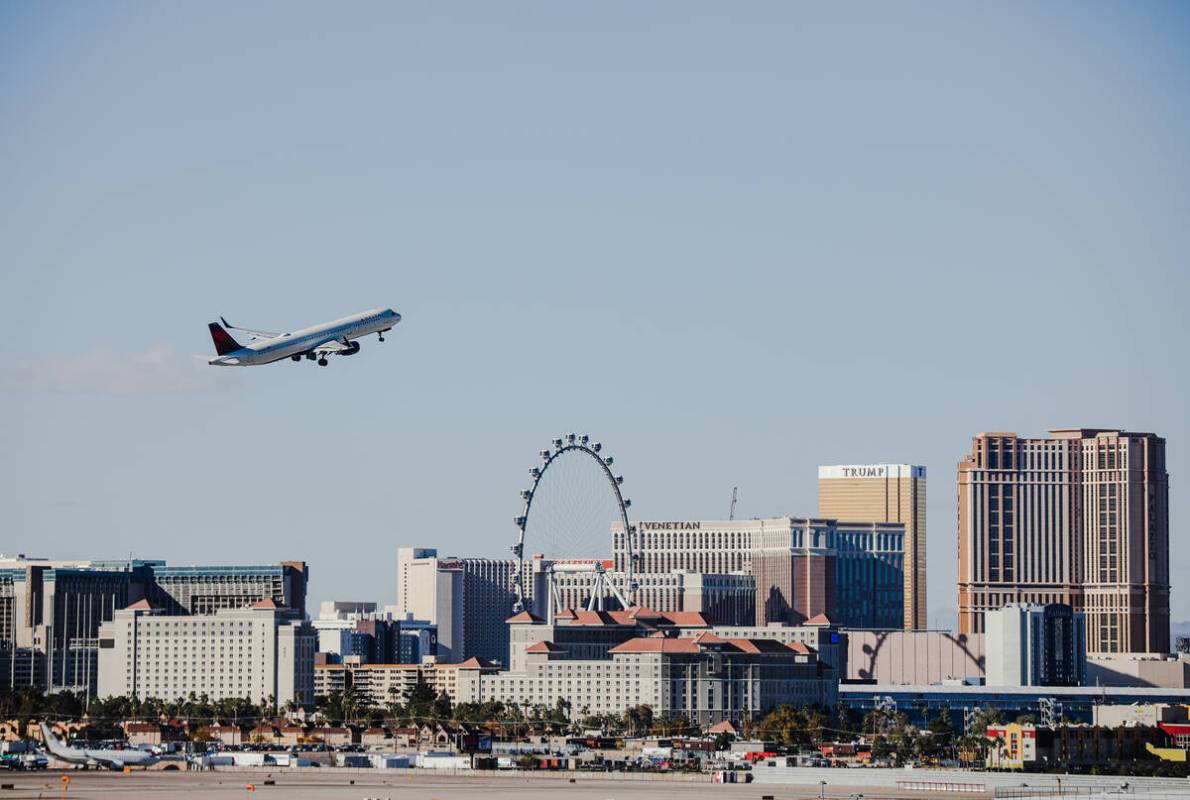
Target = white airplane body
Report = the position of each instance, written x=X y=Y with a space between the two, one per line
x=88 y=757
x=330 y=338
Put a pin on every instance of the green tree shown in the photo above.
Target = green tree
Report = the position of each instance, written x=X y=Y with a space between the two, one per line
x=419 y=701
x=638 y=719
x=938 y=738
x=561 y=712
x=974 y=744
x=440 y=707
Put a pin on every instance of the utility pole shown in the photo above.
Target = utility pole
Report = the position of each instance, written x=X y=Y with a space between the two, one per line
x=734 y=497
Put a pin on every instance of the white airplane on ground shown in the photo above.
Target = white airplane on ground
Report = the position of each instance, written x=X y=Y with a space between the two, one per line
x=113 y=759
x=337 y=337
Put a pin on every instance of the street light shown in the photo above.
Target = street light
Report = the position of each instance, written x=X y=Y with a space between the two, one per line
x=821 y=790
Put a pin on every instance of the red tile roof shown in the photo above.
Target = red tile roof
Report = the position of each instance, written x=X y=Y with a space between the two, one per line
x=655 y=645
x=140 y=605
x=664 y=644
x=524 y=616
x=639 y=615
x=723 y=727
x=600 y=618
x=818 y=619
x=544 y=647
x=475 y=662
x=758 y=645
x=265 y=604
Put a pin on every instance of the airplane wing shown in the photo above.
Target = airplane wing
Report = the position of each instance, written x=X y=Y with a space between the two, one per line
x=253 y=333
x=333 y=346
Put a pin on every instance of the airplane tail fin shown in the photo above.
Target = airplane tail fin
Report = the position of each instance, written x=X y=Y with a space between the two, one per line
x=224 y=344
x=50 y=740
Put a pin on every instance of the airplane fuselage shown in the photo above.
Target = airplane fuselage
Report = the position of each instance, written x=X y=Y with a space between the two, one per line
x=304 y=341
x=112 y=759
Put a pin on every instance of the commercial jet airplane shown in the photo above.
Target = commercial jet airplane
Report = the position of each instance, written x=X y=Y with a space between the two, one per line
x=330 y=338
x=113 y=759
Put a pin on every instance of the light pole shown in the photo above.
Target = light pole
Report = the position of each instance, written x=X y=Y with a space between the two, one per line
x=821 y=790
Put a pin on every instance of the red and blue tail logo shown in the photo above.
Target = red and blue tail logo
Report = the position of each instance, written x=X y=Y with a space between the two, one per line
x=224 y=344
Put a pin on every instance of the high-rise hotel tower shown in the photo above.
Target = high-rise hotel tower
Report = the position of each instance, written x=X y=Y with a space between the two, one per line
x=884 y=493
x=1080 y=518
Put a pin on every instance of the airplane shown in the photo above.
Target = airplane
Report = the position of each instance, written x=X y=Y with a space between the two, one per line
x=112 y=759
x=316 y=343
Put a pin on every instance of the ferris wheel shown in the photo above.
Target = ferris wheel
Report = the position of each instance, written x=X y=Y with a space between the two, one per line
x=568 y=517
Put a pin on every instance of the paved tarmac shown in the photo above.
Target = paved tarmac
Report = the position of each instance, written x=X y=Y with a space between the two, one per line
x=400 y=786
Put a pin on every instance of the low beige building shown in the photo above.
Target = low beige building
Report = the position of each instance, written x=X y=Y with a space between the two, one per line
x=914 y=657
x=138 y=733
x=223 y=734
x=1167 y=672
x=381 y=685
x=1143 y=715
x=334 y=736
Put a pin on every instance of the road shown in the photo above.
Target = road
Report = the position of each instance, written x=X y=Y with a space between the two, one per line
x=403 y=785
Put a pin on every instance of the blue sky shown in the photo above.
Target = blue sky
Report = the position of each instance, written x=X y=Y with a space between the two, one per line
x=733 y=242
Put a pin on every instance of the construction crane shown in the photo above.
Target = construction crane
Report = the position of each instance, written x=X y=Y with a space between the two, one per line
x=734 y=497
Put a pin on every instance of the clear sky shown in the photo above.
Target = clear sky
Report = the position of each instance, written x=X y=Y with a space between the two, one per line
x=732 y=241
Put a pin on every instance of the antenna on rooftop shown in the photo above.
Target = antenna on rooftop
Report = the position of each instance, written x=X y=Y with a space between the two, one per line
x=734 y=497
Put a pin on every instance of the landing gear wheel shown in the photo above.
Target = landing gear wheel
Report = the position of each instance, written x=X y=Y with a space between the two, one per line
x=298 y=357
x=381 y=335
x=322 y=362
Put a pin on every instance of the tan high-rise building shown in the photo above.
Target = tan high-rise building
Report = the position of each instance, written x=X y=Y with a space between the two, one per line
x=1080 y=518
x=884 y=493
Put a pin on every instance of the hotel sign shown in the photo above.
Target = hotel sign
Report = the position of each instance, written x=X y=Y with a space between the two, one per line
x=872 y=471
x=670 y=526
x=863 y=472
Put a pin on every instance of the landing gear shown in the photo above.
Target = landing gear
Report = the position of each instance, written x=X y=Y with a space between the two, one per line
x=322 y=362
x=380 y=335
x=310 y=356
x=297 y=357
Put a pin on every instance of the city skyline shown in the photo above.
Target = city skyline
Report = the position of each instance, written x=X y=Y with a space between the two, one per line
x=684 y=230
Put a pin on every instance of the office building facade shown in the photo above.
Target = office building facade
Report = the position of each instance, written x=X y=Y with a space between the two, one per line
x=851 y=573
x=716 y=547
x=1079 y=518
x=468 y=600
x=729 y=599
x=884 y=493
x=260 y=652
x=205 y=590
x=50 y=611
x=356 y=629
x=1036 y=645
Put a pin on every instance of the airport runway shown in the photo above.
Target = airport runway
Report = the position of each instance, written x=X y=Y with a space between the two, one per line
x=399 y=786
